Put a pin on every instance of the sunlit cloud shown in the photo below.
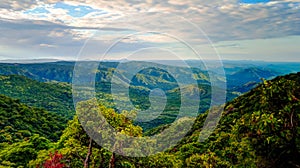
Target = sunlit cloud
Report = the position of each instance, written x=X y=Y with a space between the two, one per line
x=41 y=26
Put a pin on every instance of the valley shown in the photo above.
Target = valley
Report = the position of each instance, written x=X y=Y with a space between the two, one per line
x=260 y=118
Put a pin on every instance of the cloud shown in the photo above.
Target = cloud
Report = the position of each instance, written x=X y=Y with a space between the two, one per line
x=18 y=5
x=66 y=25
x=48 y=45
x=38 y=36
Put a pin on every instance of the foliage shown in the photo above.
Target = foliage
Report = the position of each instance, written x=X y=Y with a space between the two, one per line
x=54 y=161
x=19 y=121
x=77 y=147
x=54 y=97
x=258 y=129
x=19 y=154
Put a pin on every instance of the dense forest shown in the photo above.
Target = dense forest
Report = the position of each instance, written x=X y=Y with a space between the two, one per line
x=260 y=128
x=58 y=97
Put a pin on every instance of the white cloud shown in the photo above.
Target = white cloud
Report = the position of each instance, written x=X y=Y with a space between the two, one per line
x=48 y=45
x=224 y=20
x=18 y=5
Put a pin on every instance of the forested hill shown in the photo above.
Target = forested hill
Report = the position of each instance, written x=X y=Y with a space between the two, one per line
x=54 y=71
x=258 y=129
x=54 y=97
x=247 y=75
x=63 y=71
x=19 y=121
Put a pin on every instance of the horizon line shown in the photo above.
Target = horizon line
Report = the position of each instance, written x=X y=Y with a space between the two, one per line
x=49 y=60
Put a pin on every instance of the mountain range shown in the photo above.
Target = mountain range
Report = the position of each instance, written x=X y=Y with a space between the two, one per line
x=259 y=126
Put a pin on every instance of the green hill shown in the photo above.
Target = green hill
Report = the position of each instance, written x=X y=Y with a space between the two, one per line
x=57 y=97
x=54 y=97
x=258 y=129
x=19 y=121
x=252 y=74
x=54 y=71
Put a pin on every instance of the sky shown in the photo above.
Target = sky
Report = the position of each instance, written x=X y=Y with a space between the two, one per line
x=267 y=30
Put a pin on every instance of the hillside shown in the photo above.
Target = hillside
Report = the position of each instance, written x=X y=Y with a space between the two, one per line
x=57 y=97
x=252 y=74
x=54 y=97
x=54 y=71
x=36 y=90
x=258 y=129
x=237 y=74
x=19 y=121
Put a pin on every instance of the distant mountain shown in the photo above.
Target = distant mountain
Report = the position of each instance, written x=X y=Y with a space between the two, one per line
x=237 y=74
x=28 y=60
x=247 y=75
x=244 y=88
x=284 y=68
x=54 y=71
x=63 y=71
x=19 y=121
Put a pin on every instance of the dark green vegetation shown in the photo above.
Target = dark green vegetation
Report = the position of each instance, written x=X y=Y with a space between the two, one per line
x=24 y=131
x=258 y=129
x=47 y=85
x=19 y=121
x=58 y=95
x=52 y=96
x=59 y=71
x=20 y=153
x=63 y=71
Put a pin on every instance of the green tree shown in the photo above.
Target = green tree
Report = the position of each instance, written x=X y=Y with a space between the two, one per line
x=19 y=154
x=80 y=150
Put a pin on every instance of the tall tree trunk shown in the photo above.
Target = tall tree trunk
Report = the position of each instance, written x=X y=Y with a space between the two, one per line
x=88 y=155
x=112 y=161
x=102 y=159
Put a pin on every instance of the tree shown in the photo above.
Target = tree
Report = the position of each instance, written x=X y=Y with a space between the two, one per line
x=80 y=150
x=99 y=121
x=21 y=153
x=54 y=161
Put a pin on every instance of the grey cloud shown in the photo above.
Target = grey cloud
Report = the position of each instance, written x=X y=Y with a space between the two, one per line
x=36 y=37
x=47 y=25
x=18 y=5
x=224 y=20
x=48 y=37
x=257 y=21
